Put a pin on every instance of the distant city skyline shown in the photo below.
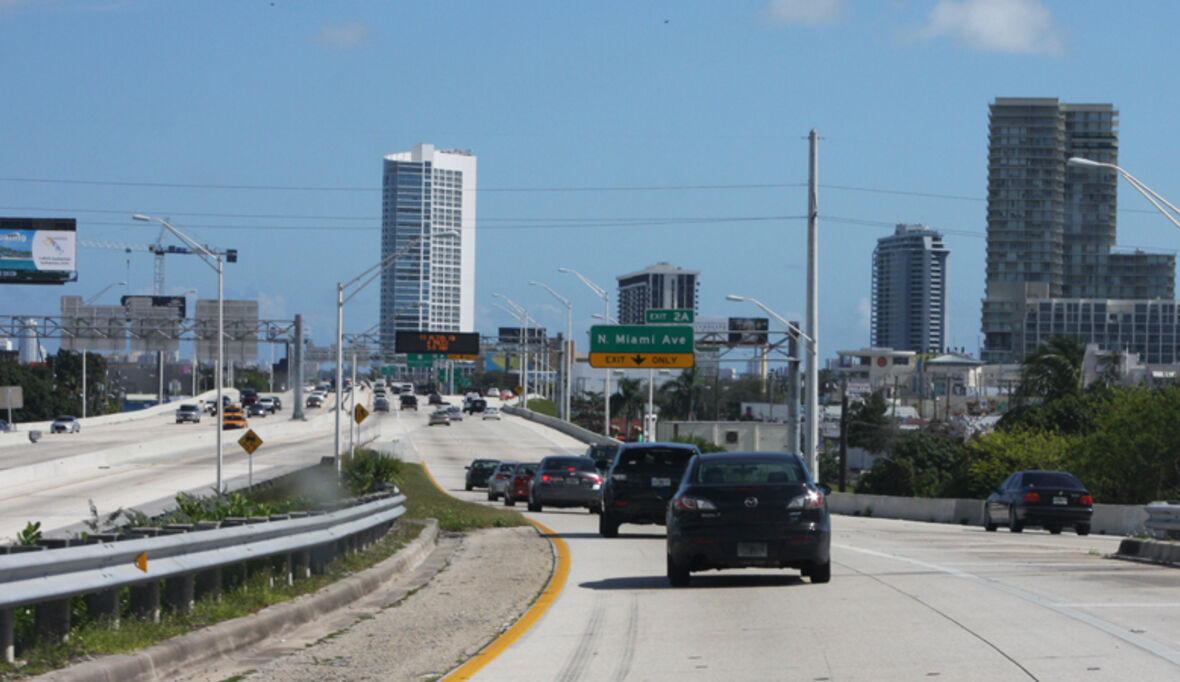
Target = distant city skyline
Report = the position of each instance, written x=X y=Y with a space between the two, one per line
x=910 y=307
x=660 y=286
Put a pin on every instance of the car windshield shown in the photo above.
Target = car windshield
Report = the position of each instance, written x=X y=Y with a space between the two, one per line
x=635 y=457
x=65 y=419
x=526 y=469
x=731 y=471
x=1051 y=479
x=574 y=463
x=484 y=464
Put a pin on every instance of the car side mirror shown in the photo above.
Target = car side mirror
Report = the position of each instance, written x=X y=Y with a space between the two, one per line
x=825 y=488
x=467 y=468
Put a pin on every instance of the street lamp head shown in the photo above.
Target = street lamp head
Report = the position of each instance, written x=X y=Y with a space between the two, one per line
x=141 y=217
x=1087 y=163
x=735 y=297
x=533 y=281
x=563 y=269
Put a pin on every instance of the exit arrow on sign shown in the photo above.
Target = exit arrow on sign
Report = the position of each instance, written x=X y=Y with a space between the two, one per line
x=643 y=360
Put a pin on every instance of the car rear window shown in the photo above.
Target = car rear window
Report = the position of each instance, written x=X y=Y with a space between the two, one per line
x=1051 y=480
x=750 y=471
x=577 y=463
x=485 y=464
x=643 y=457
x=526 y=469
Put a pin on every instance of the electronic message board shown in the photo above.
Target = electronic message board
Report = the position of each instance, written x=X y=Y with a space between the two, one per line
x=450 y=343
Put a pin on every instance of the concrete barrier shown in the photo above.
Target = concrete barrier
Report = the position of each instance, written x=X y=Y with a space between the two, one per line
x=571 y=430
x=1108 y=519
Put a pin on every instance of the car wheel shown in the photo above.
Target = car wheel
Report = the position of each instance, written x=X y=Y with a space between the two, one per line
x=820 y=573
x=608 y=526
x=509 y=501
x=1054 y=530
x=533 y=506
x=491 y=497
x=596 y=509
x=468 y=486
x=987 y=520
x=678 y=575
x=1083 y=528
x=1014 y=525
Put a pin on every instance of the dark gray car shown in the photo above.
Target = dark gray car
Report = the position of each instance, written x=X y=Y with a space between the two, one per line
x=566 y=481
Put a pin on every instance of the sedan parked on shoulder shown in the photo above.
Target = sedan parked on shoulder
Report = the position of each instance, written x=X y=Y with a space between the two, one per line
x=1050 y=499
x=566 y=481
x=65 y=424
x=748 y=510
x=500 y=479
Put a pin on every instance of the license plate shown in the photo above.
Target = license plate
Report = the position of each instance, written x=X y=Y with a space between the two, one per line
x=661 y=482
x=1060 y=500
x=555 y=479
x=751 y=550
x=573 y=481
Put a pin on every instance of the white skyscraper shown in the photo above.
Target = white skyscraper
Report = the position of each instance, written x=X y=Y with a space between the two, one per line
x=432 y=286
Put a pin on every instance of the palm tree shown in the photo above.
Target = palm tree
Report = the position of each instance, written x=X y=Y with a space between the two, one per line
x=1054 y=370
x=681 y=394
x=627 y=401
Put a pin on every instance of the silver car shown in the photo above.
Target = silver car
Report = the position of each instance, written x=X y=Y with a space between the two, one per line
x=566 y=481
x=500 y=479
x=66 y=424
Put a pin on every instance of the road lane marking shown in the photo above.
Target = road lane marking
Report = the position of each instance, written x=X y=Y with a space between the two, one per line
x=1167 y=653
x=530 y=617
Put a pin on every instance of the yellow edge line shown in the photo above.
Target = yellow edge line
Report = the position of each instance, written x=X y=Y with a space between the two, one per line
x=530 y=617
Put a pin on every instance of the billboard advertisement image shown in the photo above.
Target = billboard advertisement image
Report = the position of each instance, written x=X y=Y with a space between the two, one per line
x=38 y=250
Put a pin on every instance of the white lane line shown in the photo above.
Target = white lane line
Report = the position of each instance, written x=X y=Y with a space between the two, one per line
x=1167 y=653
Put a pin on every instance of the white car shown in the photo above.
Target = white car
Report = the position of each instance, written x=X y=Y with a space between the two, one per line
x=491 y=412
x=66 y=424
x=492 y=393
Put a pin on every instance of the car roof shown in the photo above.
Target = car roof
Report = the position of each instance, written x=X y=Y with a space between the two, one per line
x=656 y=444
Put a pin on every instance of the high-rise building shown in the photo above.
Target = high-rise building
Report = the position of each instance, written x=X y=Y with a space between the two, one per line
x=660 y=286
x=427 y=195
x=1051 y=227
x=909 y=290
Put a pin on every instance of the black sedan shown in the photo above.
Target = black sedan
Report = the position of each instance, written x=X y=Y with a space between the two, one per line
x=479 y=471
x=566 y=481
x=748 y=510
x=1050 y=499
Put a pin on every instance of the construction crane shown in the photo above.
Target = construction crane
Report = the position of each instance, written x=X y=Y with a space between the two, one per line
x=159 y=249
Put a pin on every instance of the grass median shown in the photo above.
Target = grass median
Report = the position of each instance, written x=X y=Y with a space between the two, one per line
x=90 y=639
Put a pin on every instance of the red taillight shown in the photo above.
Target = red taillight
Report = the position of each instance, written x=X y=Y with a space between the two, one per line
x=690 y=503
x=1086 y=500
x=1032 y=497
x=544 y=477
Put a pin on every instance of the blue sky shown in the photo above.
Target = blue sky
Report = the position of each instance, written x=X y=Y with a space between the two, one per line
x=610 y=136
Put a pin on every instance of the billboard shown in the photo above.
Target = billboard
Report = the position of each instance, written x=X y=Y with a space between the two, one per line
x=240 y=321
x=450 y=343
x=92 y=327
x=38 y=250
x=154 y=321
x=532 y=335
x=748 y=331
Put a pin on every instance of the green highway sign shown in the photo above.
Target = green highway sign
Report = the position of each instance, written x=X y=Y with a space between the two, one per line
x=670 y=316
x=388 y=371
x=419 y=360
x=623 y=338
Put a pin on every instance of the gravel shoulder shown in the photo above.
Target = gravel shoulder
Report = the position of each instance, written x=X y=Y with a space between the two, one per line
x=470 y=589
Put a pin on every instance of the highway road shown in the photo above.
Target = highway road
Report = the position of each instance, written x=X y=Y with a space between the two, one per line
x=143 y=463
x=907 y=600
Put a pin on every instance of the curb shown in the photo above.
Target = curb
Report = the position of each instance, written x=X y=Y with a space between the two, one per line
x=159 y=661
x=1149 y=550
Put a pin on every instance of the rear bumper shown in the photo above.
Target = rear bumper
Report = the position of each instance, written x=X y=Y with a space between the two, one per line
x=787 y=550
x=563 y=496
x=1037 y=516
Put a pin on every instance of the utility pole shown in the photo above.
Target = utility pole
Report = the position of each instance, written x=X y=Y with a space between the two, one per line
x=813 y=306
x=843 y=432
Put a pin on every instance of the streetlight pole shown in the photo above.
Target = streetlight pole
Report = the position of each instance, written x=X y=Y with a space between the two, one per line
x=214 y=261
x=813 y=303
x=341 y=299
x=1150 y=194
x=524 y=353
x=606 y=372
x=812 y=410
x=566 y=355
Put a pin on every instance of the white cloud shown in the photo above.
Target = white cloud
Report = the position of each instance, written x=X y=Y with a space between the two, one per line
x=1019 y=26
x=811 y=12
x=343 y=36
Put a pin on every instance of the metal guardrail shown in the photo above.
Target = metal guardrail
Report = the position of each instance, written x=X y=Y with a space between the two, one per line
x=572 y=430
x=1162 y=516
x=175 y=559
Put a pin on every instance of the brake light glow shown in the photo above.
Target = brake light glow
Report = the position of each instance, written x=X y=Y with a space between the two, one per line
x=690 y=503
x=1032 y=497
x=544 y=477
x=813 y=499
x=1087 y=500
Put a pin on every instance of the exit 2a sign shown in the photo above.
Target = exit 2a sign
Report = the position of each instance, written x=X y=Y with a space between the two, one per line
x=670 y=316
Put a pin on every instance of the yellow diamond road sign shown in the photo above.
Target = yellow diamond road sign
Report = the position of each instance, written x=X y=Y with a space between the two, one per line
x=360 y=412
x=250 y=441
